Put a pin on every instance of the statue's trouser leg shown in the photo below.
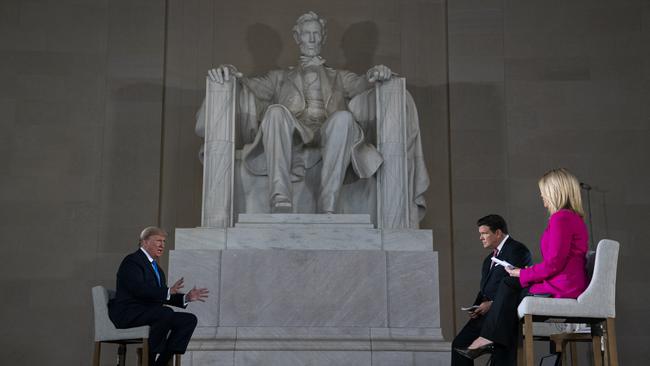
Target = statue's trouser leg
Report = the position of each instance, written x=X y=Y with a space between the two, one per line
x=277 y=133
x=338 y=134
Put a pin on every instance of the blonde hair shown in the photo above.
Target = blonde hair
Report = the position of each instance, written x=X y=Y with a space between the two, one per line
x=561 y=190
x=150 y=231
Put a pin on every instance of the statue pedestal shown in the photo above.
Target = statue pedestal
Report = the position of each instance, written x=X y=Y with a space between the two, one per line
x=300 y=289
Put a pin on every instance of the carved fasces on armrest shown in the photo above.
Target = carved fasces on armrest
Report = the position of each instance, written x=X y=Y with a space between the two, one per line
x=219 y=152
x=392 y=181
x=401 y=180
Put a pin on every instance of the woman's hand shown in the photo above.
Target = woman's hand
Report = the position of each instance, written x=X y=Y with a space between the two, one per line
x=513 y=271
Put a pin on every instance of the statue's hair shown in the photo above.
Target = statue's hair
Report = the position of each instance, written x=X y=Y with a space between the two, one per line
x=561 y=189
x=308 y=17
x=150 y=231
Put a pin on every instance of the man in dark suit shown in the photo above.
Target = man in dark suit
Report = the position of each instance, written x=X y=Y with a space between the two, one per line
x=493 y=232
x=142 y=292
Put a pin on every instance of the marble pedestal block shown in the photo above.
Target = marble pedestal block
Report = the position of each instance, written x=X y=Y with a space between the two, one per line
x=311 y=290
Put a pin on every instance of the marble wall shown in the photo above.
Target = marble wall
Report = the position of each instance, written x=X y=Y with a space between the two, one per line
x=536 y=85
x=93 y=147
x=80 y=140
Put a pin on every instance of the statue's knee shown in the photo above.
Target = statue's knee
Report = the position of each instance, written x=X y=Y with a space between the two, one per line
x=276 y=115
x=275 y=111
x=341 y=119
x=345 y=116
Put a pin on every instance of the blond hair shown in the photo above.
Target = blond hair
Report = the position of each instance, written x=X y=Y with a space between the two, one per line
x=150 y=231
x=561 y=189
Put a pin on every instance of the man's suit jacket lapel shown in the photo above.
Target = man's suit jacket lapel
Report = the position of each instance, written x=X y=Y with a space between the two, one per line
x=485 y=275
x=163 y=280
x=492 y=268
x=145 y=262
x=505 y=250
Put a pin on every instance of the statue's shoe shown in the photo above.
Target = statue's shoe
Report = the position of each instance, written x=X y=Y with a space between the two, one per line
x=282 y=206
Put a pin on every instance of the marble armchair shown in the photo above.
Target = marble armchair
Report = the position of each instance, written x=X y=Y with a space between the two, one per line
x=391 y=197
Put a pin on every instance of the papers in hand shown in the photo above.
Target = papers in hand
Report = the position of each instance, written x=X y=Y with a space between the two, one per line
x=502 y=263
x=470 y=308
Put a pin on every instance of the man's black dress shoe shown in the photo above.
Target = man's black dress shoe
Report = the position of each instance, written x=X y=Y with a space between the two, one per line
x=475 y=352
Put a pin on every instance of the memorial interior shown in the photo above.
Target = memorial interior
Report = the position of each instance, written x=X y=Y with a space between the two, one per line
x=97 y=114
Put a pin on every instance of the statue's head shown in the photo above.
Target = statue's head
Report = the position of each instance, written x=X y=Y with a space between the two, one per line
x=310 y=33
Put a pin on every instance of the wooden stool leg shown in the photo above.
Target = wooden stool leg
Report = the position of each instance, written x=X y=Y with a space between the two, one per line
x=574 y=354
x=611 y=342
x=520 y=344
x=145 y=351
x=565 y=360
x=559 y=342
x=528 y=340
x=121 y=355
x=175 y=360
x=597 y=354
x=97 y=353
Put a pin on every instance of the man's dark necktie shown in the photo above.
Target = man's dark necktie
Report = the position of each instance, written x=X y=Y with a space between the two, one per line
x=155 y=269
x=495 y=252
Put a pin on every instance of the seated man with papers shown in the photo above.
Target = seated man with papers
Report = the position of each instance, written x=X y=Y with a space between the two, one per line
x=504 y=251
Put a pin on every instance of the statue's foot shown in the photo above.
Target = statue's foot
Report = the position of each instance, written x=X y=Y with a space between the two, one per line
x=281 y=205
x=326 y=204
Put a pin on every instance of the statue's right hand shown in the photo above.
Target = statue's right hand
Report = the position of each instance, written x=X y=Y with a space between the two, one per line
x=223 y=73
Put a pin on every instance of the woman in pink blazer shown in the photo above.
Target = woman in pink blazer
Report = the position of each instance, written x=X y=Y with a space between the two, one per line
x=561 y=273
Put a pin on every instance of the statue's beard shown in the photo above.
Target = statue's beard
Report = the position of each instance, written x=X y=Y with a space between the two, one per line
x=310 y=51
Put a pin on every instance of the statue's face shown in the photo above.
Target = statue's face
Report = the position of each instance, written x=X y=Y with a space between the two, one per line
x=310 y=38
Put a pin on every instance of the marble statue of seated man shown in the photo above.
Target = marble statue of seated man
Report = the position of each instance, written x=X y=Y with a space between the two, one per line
x=306 y=106
x=290 y=120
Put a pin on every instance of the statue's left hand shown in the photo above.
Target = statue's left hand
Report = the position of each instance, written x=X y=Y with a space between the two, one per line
x=224 y=73
x=379 y=73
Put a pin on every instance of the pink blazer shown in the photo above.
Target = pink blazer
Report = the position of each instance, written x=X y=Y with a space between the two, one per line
x=563 y=246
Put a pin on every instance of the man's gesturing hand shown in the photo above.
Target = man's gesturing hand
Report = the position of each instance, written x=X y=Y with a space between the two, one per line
x=197 y=294
x=176 y=287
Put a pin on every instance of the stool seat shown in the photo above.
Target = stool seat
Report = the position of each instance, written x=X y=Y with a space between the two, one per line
x=595 y=306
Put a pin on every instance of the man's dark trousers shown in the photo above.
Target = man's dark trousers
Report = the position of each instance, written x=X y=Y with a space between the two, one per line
x=162 y=321
x=471 y=331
